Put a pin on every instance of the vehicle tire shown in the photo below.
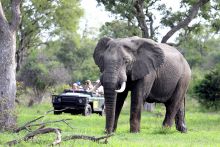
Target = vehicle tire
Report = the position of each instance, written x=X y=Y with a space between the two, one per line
x=88 y=110
x=102 y=113
x=57 y=112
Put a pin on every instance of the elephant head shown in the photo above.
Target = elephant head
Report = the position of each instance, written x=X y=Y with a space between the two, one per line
x=119 y=59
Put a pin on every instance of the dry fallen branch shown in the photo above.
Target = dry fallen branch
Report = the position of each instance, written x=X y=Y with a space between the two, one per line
x=92 y=138
x=49 y=122
x=57 y=131
x=44 y=131
x=29 y=124
x=37 y=132
x=58 y=140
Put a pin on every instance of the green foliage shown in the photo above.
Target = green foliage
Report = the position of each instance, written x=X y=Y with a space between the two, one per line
x=197 y=76
x=208 y=89
x=50 y=16
x=200 y=47
x=68 y=54
x=78 y=59
x=193 y=50
x=34 y=74
x=119 y=29
x=59 y=88
x=208 y=14
x=40 y=72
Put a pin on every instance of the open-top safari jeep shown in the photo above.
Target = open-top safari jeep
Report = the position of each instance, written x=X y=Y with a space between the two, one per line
x=76 y=102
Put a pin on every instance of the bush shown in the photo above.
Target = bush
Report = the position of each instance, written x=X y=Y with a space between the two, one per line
x=208 y=90
x=197 y=76
x=40 y=73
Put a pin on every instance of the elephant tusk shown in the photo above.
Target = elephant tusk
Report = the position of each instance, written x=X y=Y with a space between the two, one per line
x=123 y=86
x=95 y=87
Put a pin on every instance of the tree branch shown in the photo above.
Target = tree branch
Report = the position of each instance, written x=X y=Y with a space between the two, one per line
x=139 y=13
x=16 y=15
x=192 y=14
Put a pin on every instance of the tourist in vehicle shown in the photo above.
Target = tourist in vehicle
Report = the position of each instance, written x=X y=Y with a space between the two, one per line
x=88 y=85
x=75 y=87
x=98 y=88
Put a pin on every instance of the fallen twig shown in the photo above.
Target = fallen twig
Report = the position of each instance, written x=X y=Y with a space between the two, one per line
x=40 y=130
x=92 y=138
x=27 y=124
x=49 y=122
x=44 y=131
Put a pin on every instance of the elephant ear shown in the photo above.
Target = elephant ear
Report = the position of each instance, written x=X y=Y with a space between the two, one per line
x=98 y=54
x=149 y=56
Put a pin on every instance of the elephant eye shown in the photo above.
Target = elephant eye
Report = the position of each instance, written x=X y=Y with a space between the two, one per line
x=126 y=60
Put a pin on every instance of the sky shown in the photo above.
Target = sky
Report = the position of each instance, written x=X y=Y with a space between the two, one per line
x=95 y=16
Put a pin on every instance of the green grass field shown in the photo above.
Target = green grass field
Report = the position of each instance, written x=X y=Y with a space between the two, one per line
x=203 y=129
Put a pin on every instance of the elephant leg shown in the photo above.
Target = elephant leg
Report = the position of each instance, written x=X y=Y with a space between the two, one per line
x=180 y=120
x=173 y=106
x=140 y=90
x=135 y=112
x=119 y=104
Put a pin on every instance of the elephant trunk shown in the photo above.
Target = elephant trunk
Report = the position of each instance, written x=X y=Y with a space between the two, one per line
x=110 y=103
x=109 y=82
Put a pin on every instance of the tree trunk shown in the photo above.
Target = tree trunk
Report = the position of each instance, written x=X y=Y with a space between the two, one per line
x=8 y=65
x=7 y=80
x=139 y=14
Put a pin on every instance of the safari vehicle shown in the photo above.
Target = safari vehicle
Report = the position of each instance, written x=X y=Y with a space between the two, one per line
x=76 y=102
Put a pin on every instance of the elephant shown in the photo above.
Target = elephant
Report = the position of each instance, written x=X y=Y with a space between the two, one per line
x=151 y=71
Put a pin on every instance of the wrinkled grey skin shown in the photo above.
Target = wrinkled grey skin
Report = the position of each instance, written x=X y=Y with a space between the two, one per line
x=153 y=72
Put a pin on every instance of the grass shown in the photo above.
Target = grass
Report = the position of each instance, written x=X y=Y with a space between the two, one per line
x=203 y=129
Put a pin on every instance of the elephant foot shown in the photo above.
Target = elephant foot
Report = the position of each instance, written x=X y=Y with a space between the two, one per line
x=182 y=128
x=167 y=124
x=108 y=132
x=134 y=130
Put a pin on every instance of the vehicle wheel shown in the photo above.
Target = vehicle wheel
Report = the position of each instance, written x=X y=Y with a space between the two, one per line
x=88 y=110
x=57 y=112
x=102 y=113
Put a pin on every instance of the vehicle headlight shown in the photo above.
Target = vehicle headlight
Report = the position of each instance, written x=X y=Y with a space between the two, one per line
x=59 y=99
x=80 y=101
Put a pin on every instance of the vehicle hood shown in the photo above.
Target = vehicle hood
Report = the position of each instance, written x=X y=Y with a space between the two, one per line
x=75 y=94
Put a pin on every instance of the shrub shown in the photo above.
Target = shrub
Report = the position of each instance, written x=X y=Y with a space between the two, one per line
x=40 y=73
x=208 y=90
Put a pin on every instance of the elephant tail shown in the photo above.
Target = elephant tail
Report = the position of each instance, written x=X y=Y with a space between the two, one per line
x=184 y=105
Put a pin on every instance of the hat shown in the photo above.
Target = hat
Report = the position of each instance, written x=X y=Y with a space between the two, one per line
x=78 y=83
